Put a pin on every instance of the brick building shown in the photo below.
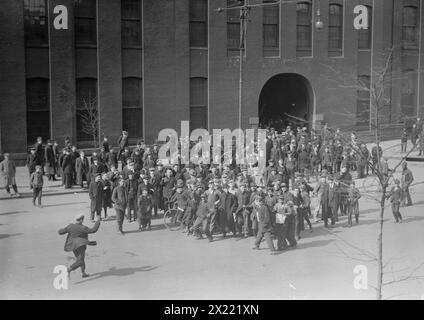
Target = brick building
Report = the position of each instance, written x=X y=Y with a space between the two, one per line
x=148 y=64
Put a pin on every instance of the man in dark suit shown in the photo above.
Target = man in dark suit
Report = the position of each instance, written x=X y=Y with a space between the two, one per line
x=50 y=161
x=67 y=169
x=122 y=143
x=96 y=196
x=77 y=241
x=227 y=210
x=263 y=217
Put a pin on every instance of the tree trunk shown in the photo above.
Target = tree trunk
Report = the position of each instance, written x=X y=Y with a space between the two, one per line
x=380 y=270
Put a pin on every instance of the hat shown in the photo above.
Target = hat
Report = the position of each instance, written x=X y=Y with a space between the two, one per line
x=203 y=196
x=32 y=149
x=79 y=217
x=180 y=183
x=284 y=185
x=37 y=167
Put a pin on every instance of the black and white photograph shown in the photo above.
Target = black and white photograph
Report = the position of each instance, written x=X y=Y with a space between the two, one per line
x=211 y=150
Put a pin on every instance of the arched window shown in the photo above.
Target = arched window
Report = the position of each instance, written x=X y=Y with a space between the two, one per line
x=38 y=109
x=409 y=91
x=132 y=106
x=86 y=108
x=131 y=23
x=410 y=27
x=304 y=29
x=363 y=102
x=365 y=35
x=35 y=22
x=198 y=23
x=85 y=22
x=335 y=30
x=271 y=29
x=198 y=103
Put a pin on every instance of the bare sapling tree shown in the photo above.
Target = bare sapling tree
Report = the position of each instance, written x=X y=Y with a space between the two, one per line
x=379 y=91
x=90 y=119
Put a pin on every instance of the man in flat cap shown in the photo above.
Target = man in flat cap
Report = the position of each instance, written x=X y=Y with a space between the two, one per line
x=37 y=182
x=8 y=171
x=31 y=162
x=77 y=241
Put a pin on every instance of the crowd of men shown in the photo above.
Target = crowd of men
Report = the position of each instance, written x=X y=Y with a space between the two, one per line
x=226 y=199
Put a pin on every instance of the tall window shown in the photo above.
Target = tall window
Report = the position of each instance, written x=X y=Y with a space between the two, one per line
x=335 y=30
x=198 y=103
x=85 y=22
x=233 y=28
x=363 y=102
x=35 y=22
x=410 y=27
x=271 y=34
x=365 y=35
x=132 y=104
x=408 y=96
x=38 y=110
x=198 y=23
x=304 y=29
x=86 y=93
x=131 y=23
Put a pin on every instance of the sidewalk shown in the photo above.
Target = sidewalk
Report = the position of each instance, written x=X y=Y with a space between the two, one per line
x=50 y=188
x=390 y=149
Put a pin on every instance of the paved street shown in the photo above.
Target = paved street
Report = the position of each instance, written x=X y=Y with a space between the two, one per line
x=161 y=264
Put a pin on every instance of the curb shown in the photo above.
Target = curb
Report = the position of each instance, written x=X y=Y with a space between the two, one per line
x=44 y=195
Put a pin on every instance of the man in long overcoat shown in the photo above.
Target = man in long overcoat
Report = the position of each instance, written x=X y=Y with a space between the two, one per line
x=82 y=168
x=96 y=196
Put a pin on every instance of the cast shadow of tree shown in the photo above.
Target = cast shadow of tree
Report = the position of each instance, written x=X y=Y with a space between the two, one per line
x=115 y=272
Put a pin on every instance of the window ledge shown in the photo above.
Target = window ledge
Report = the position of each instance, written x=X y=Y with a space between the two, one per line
x=85 y=46
x=199 y=48
x=133 y=47
x=36 y=45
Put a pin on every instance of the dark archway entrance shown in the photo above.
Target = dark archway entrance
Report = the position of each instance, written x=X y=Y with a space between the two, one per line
x=286 y=98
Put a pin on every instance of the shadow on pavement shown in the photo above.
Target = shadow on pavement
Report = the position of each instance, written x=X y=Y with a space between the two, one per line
x=4 y=236
x=412 y=219
x=123 y=272
x=314 y=244
x=12 y=212
x=62 y=204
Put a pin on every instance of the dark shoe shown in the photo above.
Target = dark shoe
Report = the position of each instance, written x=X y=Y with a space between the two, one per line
x=255 y=248
x=85 y=275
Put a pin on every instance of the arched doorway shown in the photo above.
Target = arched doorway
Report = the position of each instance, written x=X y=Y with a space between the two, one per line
x=286 y=98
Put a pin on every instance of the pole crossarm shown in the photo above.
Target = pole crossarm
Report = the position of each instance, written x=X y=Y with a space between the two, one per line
x=265 y=4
